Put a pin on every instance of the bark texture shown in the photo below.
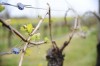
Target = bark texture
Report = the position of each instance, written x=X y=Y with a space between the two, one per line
x=55 y=57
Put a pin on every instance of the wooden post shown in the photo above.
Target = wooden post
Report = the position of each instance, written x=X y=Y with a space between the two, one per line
x=98 y=45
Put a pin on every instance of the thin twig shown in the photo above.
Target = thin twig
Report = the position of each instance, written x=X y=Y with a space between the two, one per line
x=14 y=30
x=67 y=42
x=97 y=16
x=66 y=16
x=69 y=9
x=38 y=43
x=71 y=36
x=76 y=23
x=50 y=27
x=26 y=45
x=5 y=53
x=55 y=45
x=37 y=27
x=50 y=23
x=23 y=52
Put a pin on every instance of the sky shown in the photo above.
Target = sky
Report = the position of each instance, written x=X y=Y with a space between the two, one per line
x=80 y=6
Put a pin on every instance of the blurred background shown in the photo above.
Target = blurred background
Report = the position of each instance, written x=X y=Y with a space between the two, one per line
x=80 y=52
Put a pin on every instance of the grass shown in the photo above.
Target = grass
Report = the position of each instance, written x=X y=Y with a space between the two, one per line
x=80 y=52
x=34 y=20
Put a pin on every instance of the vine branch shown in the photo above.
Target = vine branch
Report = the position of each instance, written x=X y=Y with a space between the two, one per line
x=27 y=43
x=71 y=35
x=12 y=29
x=97 y=16
x=50 y=23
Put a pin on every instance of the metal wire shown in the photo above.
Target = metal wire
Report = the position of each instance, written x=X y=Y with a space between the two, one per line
x=21 y=6
x=27 y=6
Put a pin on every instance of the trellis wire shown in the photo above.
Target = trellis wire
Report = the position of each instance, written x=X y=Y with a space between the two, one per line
x=21 y=6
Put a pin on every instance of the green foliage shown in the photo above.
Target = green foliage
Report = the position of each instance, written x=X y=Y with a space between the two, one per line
x=28 y=28
x=69 y=18
x=81 y=52
x=46 y=40
x=72 y=57
x=1 y=8
x=0 y=24
x=28 y=52
x=84 y=28
x=35 y=36
x=23 y=28
x=84 y=49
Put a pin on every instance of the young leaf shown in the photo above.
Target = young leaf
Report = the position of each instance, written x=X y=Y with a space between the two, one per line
x=28 y=51
x=29 y=28
x=46 y=40
x=22 y=28
x=35 y=36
